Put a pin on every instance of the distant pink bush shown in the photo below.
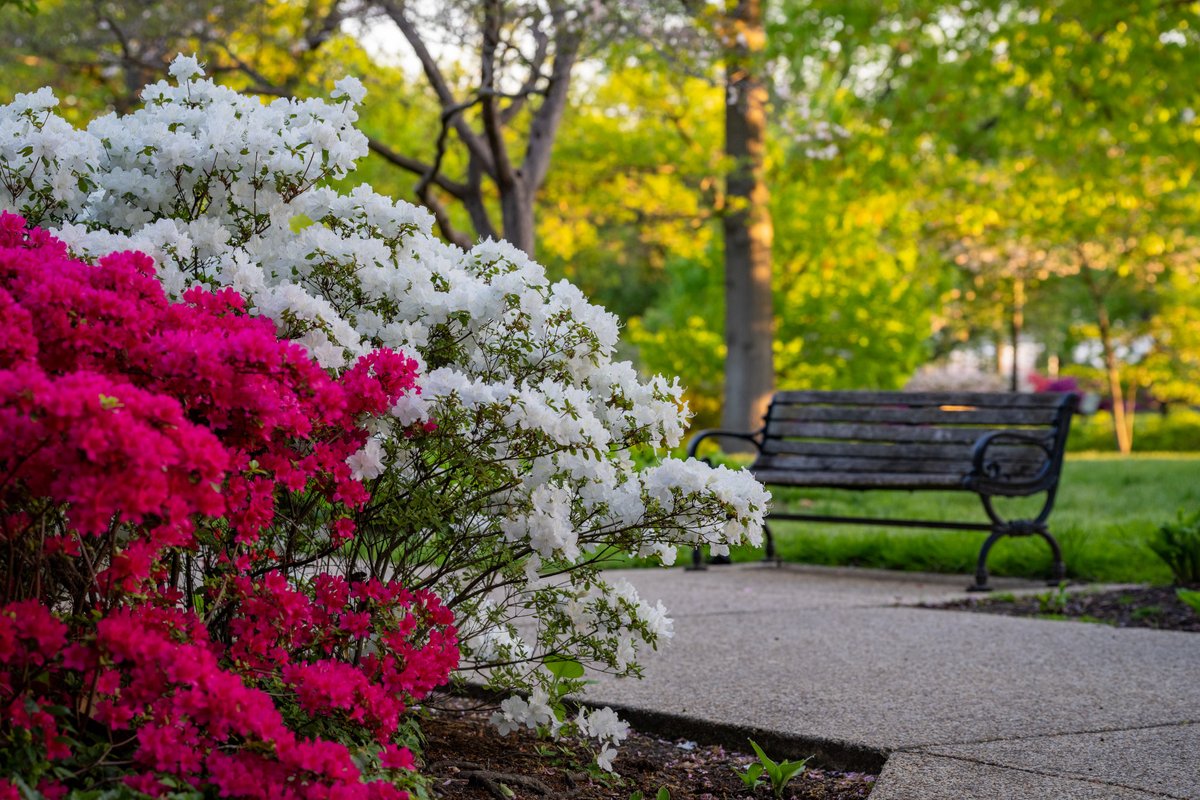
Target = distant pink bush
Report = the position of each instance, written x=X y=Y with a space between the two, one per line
x=154 y=626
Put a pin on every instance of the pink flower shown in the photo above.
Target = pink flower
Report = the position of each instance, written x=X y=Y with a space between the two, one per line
x=393 y=757
x=148 y=447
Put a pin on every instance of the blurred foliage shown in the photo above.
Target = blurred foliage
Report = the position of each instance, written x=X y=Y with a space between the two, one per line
x=1176 y=430
x=636 y=181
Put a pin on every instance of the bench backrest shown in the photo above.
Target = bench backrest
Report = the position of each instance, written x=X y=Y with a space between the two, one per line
x=908 y=440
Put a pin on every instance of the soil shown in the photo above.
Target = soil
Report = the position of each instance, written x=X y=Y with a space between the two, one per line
x=468 y=760
x=1153 y=607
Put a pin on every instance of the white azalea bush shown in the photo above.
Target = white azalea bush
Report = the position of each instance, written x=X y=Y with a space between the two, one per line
x=525 y=478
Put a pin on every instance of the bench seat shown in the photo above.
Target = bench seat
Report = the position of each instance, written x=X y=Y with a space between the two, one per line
x=990 y=444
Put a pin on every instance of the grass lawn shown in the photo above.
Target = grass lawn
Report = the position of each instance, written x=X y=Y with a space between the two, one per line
x=1106 y=510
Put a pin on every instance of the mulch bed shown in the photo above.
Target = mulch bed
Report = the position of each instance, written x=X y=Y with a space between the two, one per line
x=1153 y=607
x=468 y=760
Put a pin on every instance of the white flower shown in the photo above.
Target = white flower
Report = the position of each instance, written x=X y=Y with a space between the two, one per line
x=367 y=463
x=626 y=652
x=184 y=68
x=604 y=725
x=351 y=88
x=504 y=723
x=41 y=100
x=605 y=758
x=656 y=619
x=410 y=409
x=323 y=351
x=516 y=712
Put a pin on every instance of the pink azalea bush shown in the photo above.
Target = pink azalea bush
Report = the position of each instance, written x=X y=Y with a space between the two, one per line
x=179 y=610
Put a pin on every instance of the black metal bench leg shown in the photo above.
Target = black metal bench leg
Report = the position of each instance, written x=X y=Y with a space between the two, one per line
x=1059 y=572
x=981 y=575
x=698 y=564
x=769 y=553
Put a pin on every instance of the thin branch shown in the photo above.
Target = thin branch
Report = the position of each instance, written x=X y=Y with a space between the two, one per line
x=437 y=81
x=547 y=118
x=442 y=217
x=455 y=189
x=541 y=47
x=433 y=171
x=264 y=85
x=492 y=126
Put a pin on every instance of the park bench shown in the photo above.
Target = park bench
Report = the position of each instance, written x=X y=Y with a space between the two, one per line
x=990 y=444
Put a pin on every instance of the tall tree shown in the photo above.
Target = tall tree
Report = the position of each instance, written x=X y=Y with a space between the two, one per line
x=731 y=35
x=749 y=309
x=526 y=54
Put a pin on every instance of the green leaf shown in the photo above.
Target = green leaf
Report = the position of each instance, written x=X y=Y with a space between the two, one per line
x=751 y=776
x=780 y=773
x=771 y=767
x=790 y=769
x=637 y=795
x=663 y=794
x=26 y=791
x=564 y=668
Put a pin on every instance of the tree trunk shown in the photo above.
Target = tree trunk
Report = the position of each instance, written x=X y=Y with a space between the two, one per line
x=516 y=209
x=1017 y=324
x=1112 y=367
x=1130 y=412
x=749 y=316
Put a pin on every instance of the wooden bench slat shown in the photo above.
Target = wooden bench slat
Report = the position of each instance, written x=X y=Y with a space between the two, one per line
x=861 y=480
x=977 y=399
x=884 y=433
x=913 y=416
x=808 y=464
x=945 y=452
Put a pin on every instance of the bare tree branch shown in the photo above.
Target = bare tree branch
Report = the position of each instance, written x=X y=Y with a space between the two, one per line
x=264 y=85
x=492 y=126
x=433 y=171
x=541 y=47
x=546 y=119
x=459 y=191
x=442 y=217
x=437 y=81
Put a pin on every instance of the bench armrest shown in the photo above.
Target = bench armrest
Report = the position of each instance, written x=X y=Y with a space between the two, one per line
x=695 y=441
x=986 y=481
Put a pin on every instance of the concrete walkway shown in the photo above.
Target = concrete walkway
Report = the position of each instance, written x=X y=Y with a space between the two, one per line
x=951 y=705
